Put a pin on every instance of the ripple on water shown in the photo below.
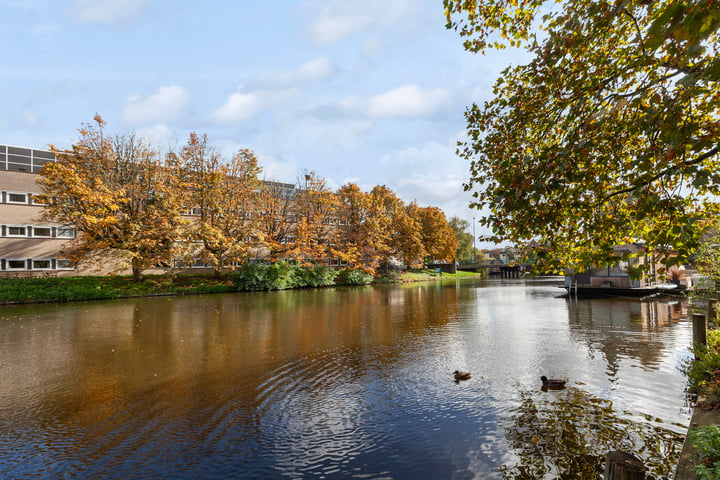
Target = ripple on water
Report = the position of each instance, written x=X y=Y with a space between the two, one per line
x=325 y=411
x=377 y=401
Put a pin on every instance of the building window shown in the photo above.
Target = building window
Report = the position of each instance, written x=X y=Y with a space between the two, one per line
x=41 y=232
x=42 y=264
x=15 y=231
x=16 y=264
x=16 y=198
x=65 y=232
x=198 y=263
x=37 y=200
x=64 y=264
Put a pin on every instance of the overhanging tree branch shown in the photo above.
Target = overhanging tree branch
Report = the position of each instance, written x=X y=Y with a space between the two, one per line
x=665 y=172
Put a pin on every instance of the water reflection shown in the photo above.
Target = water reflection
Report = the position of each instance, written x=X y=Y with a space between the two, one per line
x=335 y=383
x=629 y=329
x=568 y=434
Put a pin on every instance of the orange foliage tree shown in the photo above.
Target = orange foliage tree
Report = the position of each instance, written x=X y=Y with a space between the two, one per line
x=315 y=214
x=119 y=196
x=224 y=197
x=395 y=234
x=276 y=220
x=356 y=228
x=437 y=235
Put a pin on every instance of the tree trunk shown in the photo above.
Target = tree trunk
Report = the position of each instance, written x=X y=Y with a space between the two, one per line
x=137 y=270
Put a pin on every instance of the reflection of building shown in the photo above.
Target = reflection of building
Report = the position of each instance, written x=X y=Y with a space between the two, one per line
x=606 y=323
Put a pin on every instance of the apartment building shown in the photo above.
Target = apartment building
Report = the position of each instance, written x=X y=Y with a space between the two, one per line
x=29 y=244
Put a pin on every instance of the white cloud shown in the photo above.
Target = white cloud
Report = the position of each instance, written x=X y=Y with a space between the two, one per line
x=159 y=135
x=408 y=101
x=108 y=11
x=309 y=72
x=314 y=70
x=241 y=106
x=166 y=103
x=341 y=19
x=373 y=44
x=284 y=169
x=431 y=173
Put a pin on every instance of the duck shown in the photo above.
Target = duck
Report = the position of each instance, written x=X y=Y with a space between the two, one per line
x=552 y=383
x=461 y=375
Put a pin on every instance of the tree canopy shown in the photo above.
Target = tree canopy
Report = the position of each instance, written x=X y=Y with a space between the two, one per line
x=225 y=195
x=608 y=136
x=465 y=250
x=119 y=195
x=130 y=203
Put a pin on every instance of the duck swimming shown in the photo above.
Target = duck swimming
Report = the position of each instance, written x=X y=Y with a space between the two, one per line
x=461 y=375
x=552 y=383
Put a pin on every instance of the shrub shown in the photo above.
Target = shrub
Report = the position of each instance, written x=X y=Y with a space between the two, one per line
x=707 y=441
x=259 y=276
x=703 y=373
x=281 y=276
x=713 y=341
x=701 y=368
x=313 y=276
x=353 y=277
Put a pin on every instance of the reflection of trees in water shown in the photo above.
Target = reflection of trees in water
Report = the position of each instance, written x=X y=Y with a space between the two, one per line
x=567 y=434
x=604 y=324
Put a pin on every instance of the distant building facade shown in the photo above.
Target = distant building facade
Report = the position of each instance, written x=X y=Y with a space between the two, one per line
x=29 y=245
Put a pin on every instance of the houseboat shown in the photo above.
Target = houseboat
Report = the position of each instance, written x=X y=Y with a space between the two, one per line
x=616 y=280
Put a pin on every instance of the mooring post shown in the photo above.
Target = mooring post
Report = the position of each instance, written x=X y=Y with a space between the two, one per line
x=623 y=466
x=699 y=329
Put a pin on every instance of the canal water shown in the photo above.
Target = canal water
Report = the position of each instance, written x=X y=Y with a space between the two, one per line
x=343 y=383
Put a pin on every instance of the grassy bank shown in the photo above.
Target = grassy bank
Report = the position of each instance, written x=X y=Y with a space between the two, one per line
x=71 y=289
x=427 y=275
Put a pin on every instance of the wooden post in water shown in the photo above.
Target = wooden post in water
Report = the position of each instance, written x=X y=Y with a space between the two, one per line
x=623 y=466
x=699 y=329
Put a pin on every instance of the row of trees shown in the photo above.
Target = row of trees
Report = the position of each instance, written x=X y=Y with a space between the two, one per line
x=140 y=208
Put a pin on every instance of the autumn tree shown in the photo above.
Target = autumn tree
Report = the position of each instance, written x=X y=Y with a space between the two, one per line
x=315 y=214
x=407 y=239
x=609 y=134
x=119 y=195
x=438 y=237
x=223 y=194
x=396 y=234
x=354 y=234
x=276 y=217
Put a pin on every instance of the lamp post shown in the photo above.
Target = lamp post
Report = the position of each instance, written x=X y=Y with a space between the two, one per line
x=474 y=250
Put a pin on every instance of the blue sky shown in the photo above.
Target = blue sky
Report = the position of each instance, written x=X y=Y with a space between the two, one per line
x=370 y=92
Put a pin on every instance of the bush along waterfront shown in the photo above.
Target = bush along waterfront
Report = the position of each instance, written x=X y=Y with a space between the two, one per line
x=706 y=440
x=251 y=277
x=703 y=373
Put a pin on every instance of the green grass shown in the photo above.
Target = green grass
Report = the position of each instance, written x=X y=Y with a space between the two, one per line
x=429 y=274
x=69 y=289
